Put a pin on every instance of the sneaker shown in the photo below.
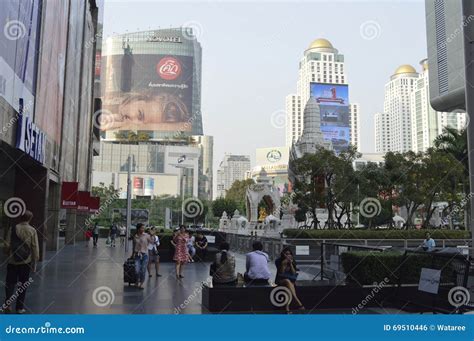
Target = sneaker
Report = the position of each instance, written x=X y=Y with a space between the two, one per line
x=21 y=311
x=158 y=275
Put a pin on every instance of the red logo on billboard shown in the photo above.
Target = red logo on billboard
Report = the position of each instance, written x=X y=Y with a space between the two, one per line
x=169 y=68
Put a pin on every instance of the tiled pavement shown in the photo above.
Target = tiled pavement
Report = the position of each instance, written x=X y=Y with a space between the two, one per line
x=66 y=281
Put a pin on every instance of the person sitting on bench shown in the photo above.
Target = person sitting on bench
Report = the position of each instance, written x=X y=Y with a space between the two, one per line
x=223 y=269
x=201 y=246
x=287 y=274
x=256 y=265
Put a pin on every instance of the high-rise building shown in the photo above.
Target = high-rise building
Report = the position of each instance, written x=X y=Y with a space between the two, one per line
x=151 y=104
x=231 y=169
x=427 y=123
x=322 y=64
x=394 y=123
x=206 y=157
x=408 y=122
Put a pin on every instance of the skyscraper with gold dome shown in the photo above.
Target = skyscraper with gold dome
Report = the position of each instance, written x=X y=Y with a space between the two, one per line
x=321 y=63
x=408 y=122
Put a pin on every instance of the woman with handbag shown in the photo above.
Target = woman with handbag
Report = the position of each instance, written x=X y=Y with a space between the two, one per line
x=287 y=274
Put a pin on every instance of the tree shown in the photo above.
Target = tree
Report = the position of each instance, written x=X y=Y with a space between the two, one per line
x=238 y=193
x=454 y=142
x=444 y=184
x=324 y=179
x=109 y=199
x=223 y=204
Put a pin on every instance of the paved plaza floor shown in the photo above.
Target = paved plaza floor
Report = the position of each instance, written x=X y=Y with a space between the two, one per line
x=81 y=279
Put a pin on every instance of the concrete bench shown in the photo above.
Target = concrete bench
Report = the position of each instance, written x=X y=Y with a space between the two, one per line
x=314 y=295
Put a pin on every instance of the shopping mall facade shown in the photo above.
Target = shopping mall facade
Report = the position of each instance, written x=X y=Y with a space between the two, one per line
x=47 y=57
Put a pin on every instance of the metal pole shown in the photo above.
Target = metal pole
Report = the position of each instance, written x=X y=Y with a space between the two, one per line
x=182 y=196
x=468 y=8
x=129 y=203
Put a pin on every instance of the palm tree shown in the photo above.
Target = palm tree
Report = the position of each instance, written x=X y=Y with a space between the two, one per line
x=454 y=142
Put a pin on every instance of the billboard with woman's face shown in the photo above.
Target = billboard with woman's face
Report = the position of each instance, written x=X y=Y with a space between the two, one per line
x=148 y=92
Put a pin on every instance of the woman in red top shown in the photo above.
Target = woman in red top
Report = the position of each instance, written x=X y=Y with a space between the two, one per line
x=181 y=255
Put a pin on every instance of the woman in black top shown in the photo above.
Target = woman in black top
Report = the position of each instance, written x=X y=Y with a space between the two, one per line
x=287 y=274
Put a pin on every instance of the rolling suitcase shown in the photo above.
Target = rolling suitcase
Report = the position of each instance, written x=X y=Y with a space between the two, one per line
x=129 y=273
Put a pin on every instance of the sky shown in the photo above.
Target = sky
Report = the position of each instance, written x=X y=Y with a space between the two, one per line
x=251 y=51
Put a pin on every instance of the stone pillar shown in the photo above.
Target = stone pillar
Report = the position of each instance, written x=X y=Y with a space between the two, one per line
x=81 y=226
x=70 y=227
x=52 y=217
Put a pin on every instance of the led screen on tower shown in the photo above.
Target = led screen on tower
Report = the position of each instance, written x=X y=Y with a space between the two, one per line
x=333 y=100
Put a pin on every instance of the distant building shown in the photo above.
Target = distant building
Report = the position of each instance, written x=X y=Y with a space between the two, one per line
x=274 y=160
x=231 y=169
x=408 y=122
x=426 y=122
x=322 y=64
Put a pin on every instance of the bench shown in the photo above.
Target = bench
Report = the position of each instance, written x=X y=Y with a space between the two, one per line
x=315 y=295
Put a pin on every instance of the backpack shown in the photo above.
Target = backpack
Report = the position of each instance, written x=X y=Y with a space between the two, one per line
x=19 y=248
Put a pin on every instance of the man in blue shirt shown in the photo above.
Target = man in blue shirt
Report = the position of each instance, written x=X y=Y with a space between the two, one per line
x=429 y=243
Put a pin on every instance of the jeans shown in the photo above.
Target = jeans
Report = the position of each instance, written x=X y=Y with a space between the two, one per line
x=17 y=274
x=141 y=262
x=95 y=238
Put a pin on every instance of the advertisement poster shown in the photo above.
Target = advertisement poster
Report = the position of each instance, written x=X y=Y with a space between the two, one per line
x=333 y=100
x=148 y=92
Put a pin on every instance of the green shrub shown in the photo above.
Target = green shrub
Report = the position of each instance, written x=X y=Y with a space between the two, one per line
x=376 y=234
x=369 y=267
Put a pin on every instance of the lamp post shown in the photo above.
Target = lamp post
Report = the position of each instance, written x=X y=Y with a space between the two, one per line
x=129 y=203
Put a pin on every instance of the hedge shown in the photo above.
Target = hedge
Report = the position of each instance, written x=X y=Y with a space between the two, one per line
x=376 y=234
x=368 y=267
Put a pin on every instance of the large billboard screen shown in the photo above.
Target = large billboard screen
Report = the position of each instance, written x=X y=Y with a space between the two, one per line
x=333 y=100
x=148 y=92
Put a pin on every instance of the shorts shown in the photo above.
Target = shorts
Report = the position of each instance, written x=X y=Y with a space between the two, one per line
x=153 y=257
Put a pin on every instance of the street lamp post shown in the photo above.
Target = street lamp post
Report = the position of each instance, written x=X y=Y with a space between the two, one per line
x=129 y=203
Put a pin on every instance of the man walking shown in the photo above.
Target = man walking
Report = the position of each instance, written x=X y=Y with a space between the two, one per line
x=95 y=234
x=22 y=249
